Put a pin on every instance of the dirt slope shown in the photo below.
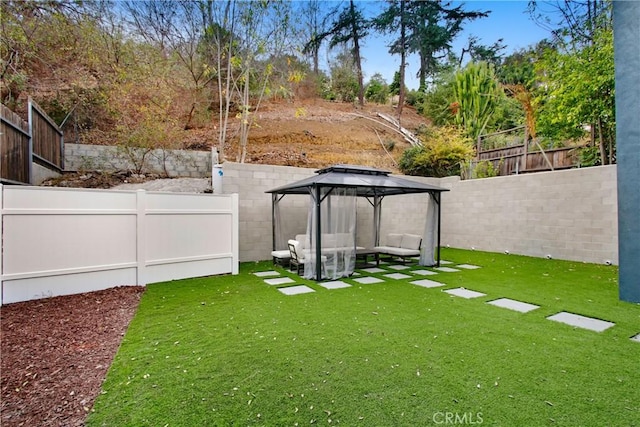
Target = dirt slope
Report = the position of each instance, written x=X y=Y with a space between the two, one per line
x=320 y=133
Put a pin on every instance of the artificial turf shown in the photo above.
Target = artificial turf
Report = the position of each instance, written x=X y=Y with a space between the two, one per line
x=232 y=350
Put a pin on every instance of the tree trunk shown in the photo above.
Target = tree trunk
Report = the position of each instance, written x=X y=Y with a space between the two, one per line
x=422 y=73
x=356 y=54
x=603 y=149
x=402 y=61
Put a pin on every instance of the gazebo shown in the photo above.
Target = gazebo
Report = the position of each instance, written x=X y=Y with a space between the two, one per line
x=332 y=212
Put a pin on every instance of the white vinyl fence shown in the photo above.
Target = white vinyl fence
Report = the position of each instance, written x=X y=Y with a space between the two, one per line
x=58 y=241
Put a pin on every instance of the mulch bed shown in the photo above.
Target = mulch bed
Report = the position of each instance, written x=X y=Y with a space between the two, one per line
x=55 y=353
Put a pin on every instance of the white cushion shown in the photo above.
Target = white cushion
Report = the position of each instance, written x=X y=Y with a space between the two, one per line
x=296 y=247
x=394 y=240
x=402 y=252
x=303 y=239
x=411 y=241
x=281 y=254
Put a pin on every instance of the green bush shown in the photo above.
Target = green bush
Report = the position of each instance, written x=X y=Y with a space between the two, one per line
x=441 y=154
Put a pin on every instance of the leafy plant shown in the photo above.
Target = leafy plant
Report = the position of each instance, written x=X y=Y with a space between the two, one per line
x=476 y=93
x=441 y=154
x=377 y=90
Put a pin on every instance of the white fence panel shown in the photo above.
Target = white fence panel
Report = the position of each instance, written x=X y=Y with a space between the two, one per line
x=59 y=241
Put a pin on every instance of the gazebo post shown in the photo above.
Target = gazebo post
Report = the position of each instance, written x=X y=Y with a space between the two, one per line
x=274 y=200
x=318 y=236
x=436 y=197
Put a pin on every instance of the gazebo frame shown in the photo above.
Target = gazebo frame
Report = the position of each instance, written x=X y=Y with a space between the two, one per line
x=373 y=184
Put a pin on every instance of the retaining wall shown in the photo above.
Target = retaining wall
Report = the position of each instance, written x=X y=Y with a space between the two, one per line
x=569 y=214
x=173 y=163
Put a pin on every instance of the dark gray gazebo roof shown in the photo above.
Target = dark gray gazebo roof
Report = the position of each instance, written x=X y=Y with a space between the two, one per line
x=368 y=182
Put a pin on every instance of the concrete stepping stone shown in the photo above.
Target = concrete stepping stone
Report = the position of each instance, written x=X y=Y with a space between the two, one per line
x=511 y=304
x=636 y=338
x=424 y=272
x=583 y=322
x=335 y=284
x=467 y=266
x=445 y=262
x=397 y=276
x=464 y=293
x=296 y=290
x=266 y=273
x=446 y=269
x=398 y=267
x=427 y=283
x=367 y=280
x=374 y=270
x=279 y=281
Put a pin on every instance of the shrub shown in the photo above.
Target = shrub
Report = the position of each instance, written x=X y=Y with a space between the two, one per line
x=441 y=154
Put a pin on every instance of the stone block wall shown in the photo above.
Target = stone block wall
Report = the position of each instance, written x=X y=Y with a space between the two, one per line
x=250 y=182
x=173 y=163
x=569 y=214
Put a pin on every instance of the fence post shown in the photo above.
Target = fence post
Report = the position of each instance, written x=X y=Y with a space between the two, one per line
x=30 y=155
x=235 y=239
x=141 y=237
x=1 y=247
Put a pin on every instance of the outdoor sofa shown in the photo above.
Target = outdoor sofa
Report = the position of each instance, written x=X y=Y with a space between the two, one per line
x=401 y=246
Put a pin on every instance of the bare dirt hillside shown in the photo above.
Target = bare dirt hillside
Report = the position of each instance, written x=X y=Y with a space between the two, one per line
x=321 y=133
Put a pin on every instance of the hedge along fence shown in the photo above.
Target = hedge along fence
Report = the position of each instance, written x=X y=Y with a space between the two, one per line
x=59 y=241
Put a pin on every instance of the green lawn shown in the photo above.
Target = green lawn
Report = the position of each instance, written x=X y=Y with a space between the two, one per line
x=233 y=350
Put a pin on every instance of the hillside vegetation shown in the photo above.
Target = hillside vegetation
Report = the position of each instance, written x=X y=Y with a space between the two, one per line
x=244 y=79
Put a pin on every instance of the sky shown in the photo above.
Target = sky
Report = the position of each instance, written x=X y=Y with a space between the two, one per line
x=508 y=20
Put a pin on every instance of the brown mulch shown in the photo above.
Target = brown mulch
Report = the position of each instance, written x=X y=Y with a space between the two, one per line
x=55 y=353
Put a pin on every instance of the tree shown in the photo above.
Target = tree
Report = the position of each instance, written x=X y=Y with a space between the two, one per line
x=574 y=22
x=432 y=28
x=344 y=78
x=315 y=30
x=377 y=89
x=389 y=21
x=350 y=27
x=476 y=93
x=479 y=52
x=578 y=91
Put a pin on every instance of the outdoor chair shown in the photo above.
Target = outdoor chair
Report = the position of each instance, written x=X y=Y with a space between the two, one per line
x=298 y=257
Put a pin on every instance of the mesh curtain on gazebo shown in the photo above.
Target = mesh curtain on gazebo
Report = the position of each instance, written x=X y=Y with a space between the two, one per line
x=337 y=233
x=430 y=234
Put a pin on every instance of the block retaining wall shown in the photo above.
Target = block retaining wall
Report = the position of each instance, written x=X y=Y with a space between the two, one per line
x=173 y=163
x=569 y=214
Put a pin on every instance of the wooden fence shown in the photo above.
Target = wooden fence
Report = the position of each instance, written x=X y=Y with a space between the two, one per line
x=519 y=157
x=516 y=160
x=39 y=140
x=47 y=141
x=15 y=153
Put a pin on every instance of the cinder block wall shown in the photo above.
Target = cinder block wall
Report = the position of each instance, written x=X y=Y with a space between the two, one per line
x=176 y=163
x=250 y=182
x=568 y=214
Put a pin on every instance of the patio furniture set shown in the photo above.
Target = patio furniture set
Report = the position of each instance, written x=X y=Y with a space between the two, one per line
x=397 y=246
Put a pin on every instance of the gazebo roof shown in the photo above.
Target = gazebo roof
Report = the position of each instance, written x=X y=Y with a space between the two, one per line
x=367 y=181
